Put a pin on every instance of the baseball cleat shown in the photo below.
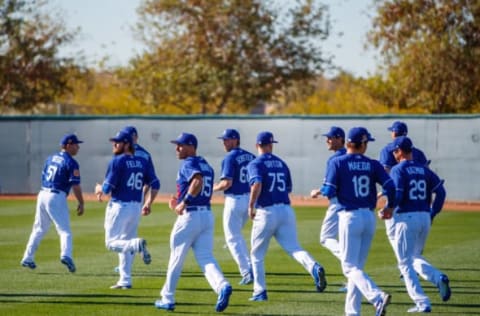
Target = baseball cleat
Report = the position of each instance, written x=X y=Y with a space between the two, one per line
x=444 y=288
x=262 y=296
x=420 y=309
x=343 y=288
x=381 y=304
x=28 y=264
x=223 y=298
x=165 y=306
x=147 y=259
x=69 y=263
x=121 y=287
x=247 y=279
x=319 y=276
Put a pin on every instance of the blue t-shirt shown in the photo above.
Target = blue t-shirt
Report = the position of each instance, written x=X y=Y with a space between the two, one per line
x=234 y=167
x=388 y=160
x=60 y=172
x=342 y=151
x=142 y=152
x=353 y=178
x=415 y=184
x=126 y=176
x=190 y=167
x=275 y=178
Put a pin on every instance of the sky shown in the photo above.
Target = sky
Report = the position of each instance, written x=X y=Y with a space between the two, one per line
x=105 y=30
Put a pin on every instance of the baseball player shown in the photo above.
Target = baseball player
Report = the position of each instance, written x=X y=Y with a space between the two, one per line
x=234 y=182
x=194 y=225
x=124 y=181
x=351 y=180
x=269 y=208
x=329 y=230
x=387 y=159
x=140 y=152
x=60 y=174
x=415 y=185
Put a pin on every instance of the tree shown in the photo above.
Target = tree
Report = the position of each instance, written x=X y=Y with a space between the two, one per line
x=31 y=73
x=217 y=56
x=432 y=53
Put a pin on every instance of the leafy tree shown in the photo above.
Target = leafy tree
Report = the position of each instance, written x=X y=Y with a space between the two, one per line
x=432 y=53
x=31 y=73
x=218 y=56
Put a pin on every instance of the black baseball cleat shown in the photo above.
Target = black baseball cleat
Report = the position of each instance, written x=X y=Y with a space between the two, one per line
x=67 y=261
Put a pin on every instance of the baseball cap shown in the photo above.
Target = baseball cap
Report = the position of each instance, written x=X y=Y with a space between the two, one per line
x=131 y=130
x=264 y=138
x=230 y=134
x=335 y=131
x=359 y=135
x=403 y=143
x=185 y=139
x=399 y=127
x=70 y=139
x=122 y=137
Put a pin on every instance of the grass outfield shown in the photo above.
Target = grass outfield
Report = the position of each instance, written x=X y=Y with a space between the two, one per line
x=453 y=246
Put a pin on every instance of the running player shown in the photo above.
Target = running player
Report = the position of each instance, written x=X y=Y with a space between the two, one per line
x=415 y=185
x=269 y=208
x=351 y=179
x=126 y=176
x=194 y=225
x=234 y=182
x=60 y=174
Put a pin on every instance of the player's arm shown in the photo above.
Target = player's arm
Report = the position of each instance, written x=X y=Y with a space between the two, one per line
x=77 y=191
x=195 y=187
x=439 y=200
x=222 y=185
x=255 y=190
x=154 y=187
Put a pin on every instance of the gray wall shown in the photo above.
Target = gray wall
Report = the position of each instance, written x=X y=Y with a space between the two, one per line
x=451 y=142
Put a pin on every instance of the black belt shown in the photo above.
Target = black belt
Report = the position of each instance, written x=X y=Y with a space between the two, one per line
x=194 y=208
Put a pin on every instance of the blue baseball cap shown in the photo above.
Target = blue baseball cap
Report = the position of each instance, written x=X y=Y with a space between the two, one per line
x=335 y=131
x=399 y=128
x=230 y=134
x=131 y=130
x=264 y=138
x=185 y=139
x=122 y=137
x=403 y=143
x=70 y=139
x=359 y=135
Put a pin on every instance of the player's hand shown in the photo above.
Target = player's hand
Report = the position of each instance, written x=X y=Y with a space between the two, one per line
x=172 y=203
x=314 y=193
x=146 y=210
x=251 y=212
x=98 y=191
x=180 y=208
x=80 y=209
x=385 y=213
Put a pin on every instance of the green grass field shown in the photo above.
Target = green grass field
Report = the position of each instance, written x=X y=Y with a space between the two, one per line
x=453 y=246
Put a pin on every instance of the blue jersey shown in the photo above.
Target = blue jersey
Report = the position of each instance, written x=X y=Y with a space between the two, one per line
x=234 y=167
x=142 y=152
x=126 y=176
x=415 y=184
x=388 y=160
x=275 y=178
x=190 y=167
x=60 y=172
x=342 y=151
x=352 y=179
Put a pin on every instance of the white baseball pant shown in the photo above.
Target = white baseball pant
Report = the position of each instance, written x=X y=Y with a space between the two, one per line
x=329 y=231
x=51 y=207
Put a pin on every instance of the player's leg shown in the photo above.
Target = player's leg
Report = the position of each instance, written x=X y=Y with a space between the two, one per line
x=40 y=227
x=57 y=209
x=234 y=218
x=181 y=238
x=329 y=231
x=408 y=227
x=263 y=228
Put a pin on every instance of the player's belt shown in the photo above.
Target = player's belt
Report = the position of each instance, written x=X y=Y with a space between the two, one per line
x=236 y=195
x=51 y=190
x=273 y=205
x=194 y=208
x=120 y=201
